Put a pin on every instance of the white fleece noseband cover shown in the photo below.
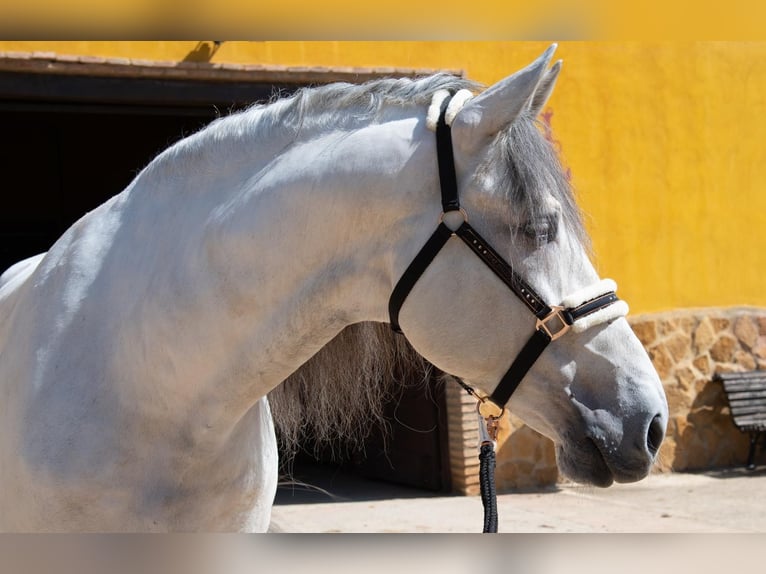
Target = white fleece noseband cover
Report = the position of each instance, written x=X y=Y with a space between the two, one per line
x=614 y=311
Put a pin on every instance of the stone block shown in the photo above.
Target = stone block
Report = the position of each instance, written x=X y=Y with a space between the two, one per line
x=759 y=349
x=685 y=377
x=524 y=474
x=702 y=364
x=646 y=331
x=725 y=368
x=662 y=361
x=746 y=331
x=704 y=336
x=521 y=446
x=678 y=346
x=665 y=457
x=720 y=323
x=722 y=351
x=745 y=360
x=678 y=398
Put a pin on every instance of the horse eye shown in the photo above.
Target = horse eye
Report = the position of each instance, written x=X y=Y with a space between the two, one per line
x=542 y=231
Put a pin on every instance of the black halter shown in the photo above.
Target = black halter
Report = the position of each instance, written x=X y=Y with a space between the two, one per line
x=552 y=321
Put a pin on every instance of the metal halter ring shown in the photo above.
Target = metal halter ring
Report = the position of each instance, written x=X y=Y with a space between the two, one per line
x=460 y=210
x=485 y=401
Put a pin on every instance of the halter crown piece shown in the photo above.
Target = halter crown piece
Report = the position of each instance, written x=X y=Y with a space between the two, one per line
x=586 y=308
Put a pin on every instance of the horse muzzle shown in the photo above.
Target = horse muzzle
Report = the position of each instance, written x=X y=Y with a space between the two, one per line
x=609 y=448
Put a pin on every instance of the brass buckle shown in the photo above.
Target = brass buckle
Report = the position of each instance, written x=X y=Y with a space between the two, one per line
x=556 y=312
x=489 y=424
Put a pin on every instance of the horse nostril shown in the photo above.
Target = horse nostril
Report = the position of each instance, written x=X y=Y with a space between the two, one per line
x=655 y=435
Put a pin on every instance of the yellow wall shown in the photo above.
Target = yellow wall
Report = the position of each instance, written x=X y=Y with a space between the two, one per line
x=664 y=141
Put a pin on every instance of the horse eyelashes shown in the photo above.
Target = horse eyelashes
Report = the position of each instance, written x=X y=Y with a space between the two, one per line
x=541 y=231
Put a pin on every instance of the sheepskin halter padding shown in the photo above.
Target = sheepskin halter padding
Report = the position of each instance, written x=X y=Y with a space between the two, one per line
x=455 y=105
x=604 y=315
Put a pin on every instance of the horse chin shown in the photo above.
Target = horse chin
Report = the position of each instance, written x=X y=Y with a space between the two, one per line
x=583 y=462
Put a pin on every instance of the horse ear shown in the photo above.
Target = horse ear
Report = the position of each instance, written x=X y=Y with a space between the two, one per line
x=495 y=108
x=544 y=89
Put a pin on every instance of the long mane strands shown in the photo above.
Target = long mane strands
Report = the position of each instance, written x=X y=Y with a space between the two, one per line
x=338 y=396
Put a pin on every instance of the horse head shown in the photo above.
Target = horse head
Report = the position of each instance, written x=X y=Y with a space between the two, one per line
x=593 y=390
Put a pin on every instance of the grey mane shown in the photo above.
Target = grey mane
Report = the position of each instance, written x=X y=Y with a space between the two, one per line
x=343 y=105
x=339 y=394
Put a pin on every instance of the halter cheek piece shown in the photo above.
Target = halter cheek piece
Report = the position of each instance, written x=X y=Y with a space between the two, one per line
x=577 y=312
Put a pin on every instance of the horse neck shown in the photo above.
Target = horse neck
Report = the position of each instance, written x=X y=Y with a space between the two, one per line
x=310 y=242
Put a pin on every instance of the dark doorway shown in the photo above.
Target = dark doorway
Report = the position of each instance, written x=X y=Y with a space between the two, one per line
x=410 y=449
x=71 y=142
x=58 y=164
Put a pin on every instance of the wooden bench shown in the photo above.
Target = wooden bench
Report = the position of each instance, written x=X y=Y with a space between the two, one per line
x=746 y=393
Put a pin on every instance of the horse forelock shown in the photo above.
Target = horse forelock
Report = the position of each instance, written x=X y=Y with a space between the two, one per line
x=531 y=173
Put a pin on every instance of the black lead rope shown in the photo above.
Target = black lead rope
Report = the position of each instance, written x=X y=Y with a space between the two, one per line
x=487 y=483
x=488 y=426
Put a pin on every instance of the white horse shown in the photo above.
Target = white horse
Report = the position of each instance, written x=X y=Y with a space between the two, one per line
x=136 y=355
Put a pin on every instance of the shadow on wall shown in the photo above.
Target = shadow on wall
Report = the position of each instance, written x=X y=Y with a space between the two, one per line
x=203 y=52
x=708 y=427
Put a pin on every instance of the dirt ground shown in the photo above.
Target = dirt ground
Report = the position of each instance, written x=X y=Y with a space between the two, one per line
x=725 y=501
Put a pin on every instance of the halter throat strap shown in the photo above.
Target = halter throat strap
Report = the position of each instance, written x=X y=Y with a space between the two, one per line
x=588 y=307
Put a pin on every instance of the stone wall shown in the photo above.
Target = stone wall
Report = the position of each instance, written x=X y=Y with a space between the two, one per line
x=687 y=347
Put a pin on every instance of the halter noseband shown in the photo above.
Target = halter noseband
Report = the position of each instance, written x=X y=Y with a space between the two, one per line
x=588 y=306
